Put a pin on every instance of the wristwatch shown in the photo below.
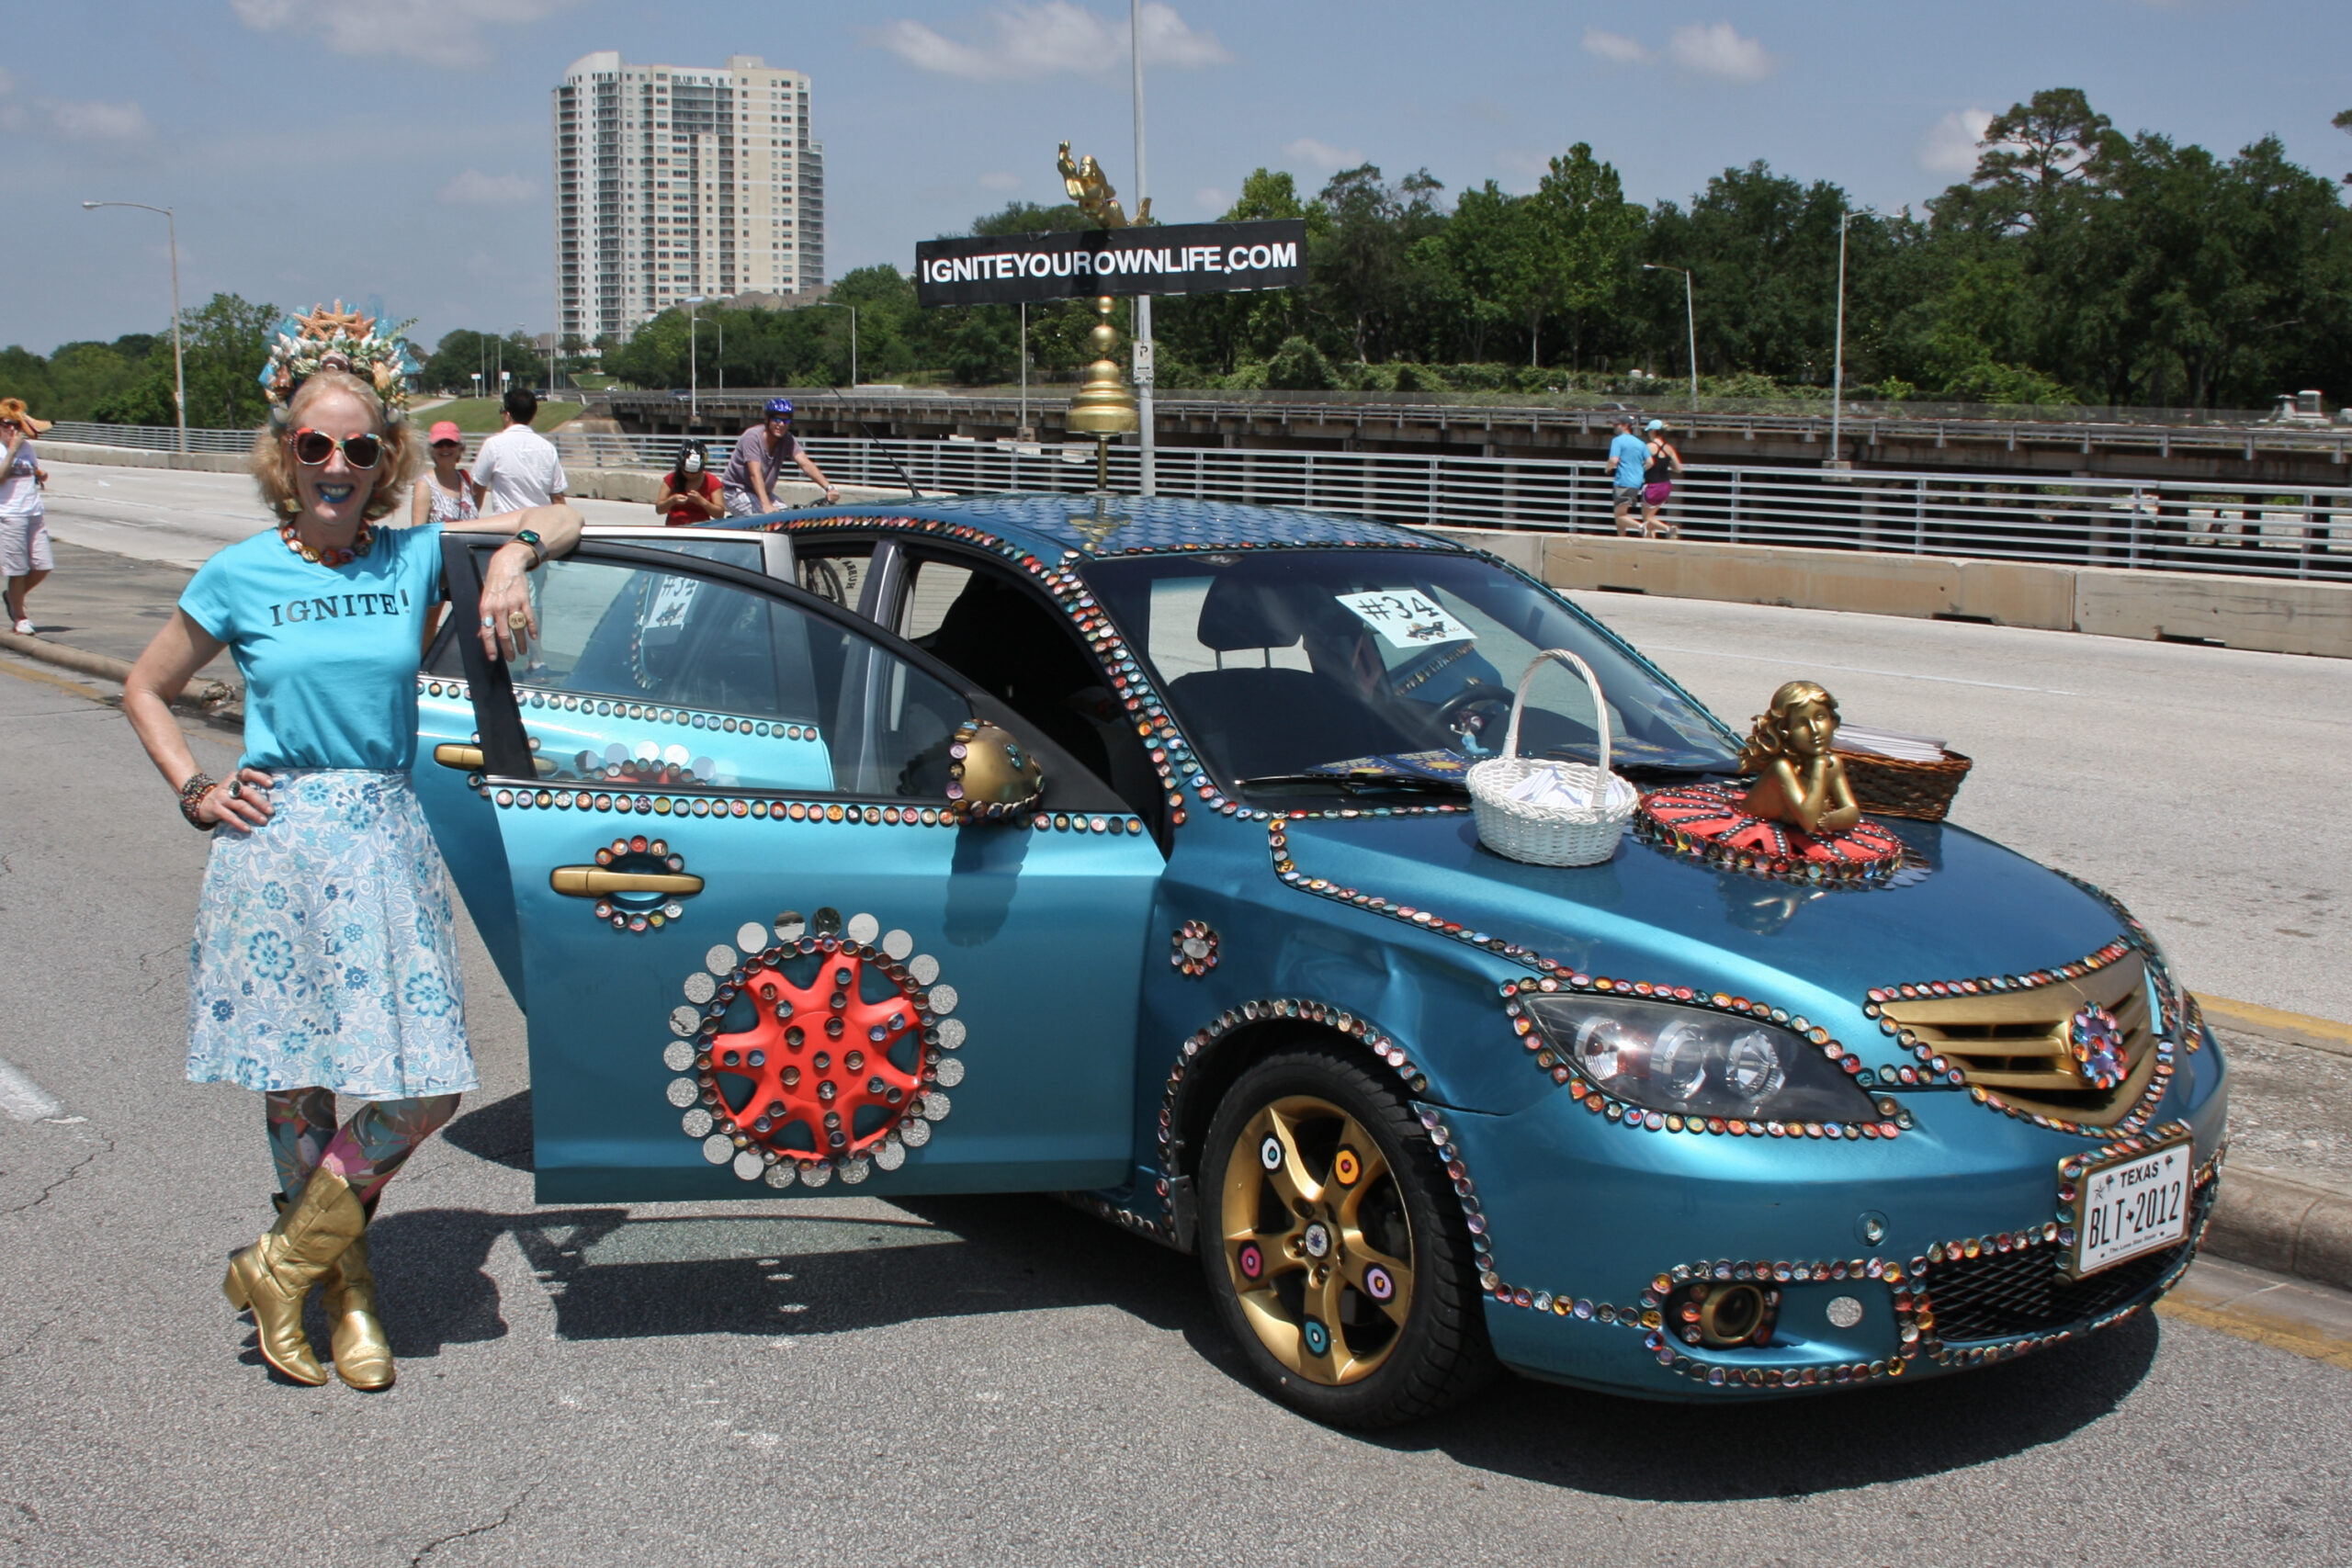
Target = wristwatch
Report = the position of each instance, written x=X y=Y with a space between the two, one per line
x=539 y=547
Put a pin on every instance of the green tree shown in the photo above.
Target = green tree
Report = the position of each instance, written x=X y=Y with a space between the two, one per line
x=463 y=352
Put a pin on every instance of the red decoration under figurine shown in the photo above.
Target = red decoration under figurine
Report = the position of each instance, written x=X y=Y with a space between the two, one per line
x=1714 y=823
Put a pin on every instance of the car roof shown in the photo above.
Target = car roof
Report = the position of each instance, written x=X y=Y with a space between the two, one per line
x=1054 y=527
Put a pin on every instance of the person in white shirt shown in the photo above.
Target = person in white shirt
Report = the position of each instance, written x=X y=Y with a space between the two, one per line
x=517 y=468
x=24 y=555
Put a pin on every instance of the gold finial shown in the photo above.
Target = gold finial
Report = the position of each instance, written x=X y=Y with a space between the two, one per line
x=1104 y=405
x=1799 y=778
x=1090 y=189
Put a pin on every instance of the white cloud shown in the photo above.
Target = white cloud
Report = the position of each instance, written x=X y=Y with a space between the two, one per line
x=997 y=179
x=436 y=32
x=1210 y=199
x=1615 y=47
x=1322 y=154
x=1030 y=38
x=1951 y=143
x=474 y=188
x=1719 y=51
x=95 y=122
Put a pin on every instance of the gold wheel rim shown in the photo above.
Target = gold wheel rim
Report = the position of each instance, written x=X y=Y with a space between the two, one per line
x=1317 y=1241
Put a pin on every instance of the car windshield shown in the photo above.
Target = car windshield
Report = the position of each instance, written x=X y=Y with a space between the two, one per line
x=1389 y=668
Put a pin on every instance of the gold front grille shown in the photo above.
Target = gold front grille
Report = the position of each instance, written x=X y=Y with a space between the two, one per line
x=2014 y=1043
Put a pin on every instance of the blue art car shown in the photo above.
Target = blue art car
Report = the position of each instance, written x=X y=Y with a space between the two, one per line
x=1019 y=845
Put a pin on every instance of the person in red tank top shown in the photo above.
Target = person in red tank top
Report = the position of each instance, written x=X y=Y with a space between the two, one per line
x=689 y=495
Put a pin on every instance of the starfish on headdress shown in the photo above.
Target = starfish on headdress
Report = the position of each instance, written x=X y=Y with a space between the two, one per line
x=322 y=322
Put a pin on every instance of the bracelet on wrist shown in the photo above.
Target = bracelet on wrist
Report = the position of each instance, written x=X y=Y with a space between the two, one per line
x=539 y=547
x=192 y=794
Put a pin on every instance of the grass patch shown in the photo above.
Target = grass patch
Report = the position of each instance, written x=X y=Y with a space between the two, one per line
x=481 y=416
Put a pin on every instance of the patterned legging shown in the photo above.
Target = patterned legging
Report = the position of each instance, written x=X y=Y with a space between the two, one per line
x=366 y=1151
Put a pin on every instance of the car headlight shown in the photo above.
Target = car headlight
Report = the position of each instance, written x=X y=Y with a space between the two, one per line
x=1663 y=1057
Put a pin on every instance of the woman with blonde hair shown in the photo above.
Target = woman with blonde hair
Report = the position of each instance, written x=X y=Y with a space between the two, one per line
x=325 y=960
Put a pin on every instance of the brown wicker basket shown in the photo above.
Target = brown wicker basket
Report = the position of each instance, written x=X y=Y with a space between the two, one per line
x=1892 y=787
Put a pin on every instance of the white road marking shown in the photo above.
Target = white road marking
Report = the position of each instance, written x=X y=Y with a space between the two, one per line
x=1856 y=670
x=23 y=1099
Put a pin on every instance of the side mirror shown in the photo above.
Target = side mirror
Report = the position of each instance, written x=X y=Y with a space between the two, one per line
x=991 y=777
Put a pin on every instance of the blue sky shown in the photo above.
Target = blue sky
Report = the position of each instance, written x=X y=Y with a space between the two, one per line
x=400 y=148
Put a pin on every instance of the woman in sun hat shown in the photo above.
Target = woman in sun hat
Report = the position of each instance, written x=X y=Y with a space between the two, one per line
x=446 y=494
x=24 y=555
x=325 y=958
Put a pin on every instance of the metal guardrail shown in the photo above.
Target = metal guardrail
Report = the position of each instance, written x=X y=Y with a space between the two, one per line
x=2288 y=531
x=148 y=437
x=2262 y=530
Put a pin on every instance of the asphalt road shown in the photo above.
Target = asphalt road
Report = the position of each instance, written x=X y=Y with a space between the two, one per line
x=986 y=1380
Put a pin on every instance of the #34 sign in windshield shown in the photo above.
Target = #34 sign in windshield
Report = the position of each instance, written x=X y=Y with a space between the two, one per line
x=1177 y=258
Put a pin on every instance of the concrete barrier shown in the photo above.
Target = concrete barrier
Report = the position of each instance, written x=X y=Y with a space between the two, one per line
x=142 y=458
x=2272 y=614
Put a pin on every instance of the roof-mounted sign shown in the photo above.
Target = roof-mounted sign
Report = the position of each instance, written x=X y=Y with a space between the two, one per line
x=1177 y=258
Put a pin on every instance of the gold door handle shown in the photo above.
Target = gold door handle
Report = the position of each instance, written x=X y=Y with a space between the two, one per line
x=469 y=758
x=596 y=882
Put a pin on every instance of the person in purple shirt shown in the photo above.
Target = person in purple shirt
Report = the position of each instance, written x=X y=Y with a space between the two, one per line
x=748 y=484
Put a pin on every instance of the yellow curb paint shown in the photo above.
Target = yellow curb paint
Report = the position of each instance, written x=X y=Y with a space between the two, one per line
x=2295 y=1338
x=44 y=678
x=2324 y=1032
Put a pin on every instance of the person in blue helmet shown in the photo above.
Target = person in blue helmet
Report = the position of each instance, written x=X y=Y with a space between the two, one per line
x=748 y=484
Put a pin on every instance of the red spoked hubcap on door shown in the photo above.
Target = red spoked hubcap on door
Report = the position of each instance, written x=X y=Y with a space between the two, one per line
x=817 y=1055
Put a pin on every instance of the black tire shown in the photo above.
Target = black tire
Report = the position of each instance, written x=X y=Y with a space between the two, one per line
x=1393 y=1372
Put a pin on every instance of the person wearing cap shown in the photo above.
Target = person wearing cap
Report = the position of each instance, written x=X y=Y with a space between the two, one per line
x=1628 y=455
x=446 y=494
x=1663 y=464
x=749 y=483
x=24 y=555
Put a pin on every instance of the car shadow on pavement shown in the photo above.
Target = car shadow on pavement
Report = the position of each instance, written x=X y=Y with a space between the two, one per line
x=1712 y=1450
x=611 y=1275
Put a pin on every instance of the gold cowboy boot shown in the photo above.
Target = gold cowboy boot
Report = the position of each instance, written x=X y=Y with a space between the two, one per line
x=363 y=1351
x=271 y=1277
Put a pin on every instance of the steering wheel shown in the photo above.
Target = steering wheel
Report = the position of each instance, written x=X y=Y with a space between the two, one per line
x=1477 y=716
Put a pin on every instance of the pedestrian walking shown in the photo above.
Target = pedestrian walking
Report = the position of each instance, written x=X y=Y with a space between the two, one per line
x=688 y=494
x=444 y=494
x=325 y=957
x=517 y=468
x=1662 y=466
x=25 y=556
x=1628 y=455
x=748 y=484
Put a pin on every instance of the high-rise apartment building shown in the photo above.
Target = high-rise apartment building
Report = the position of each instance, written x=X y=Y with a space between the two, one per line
x=674 y=181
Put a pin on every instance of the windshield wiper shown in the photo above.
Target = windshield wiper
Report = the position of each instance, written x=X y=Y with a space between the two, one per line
x=1360 y=780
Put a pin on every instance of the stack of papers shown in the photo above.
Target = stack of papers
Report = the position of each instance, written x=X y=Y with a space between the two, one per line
x=1889 y=743
x=1554 y=787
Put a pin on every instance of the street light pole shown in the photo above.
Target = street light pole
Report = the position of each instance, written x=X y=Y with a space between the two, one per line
x=1148 y=475
x=1690 y=320
x=179 y=363
x=1837 y=365
x=693 y=364
x=837 y=305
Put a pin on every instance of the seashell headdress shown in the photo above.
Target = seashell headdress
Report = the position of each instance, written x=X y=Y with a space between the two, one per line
x=337 y=339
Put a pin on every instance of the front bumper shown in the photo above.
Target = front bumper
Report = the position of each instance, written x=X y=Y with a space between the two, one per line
x=1928 y=1253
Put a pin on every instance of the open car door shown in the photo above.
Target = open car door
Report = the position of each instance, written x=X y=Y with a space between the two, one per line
x=758 y=949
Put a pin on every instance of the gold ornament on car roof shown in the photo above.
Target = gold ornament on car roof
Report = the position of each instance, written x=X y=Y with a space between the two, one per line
x=991 y=776
x=1090 y=189
x=1799 y=779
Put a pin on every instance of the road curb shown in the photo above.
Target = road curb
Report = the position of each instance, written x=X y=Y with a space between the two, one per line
x=2271 y=1023
x=212 y=697
x=2271 y=1222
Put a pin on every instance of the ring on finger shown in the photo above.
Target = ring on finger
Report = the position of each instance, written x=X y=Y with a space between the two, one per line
x=517 y=619
x=488 y=622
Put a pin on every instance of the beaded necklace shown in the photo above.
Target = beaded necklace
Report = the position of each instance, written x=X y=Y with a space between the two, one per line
x=341 y=555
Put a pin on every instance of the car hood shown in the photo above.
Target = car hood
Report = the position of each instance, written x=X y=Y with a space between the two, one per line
x=1965 y=907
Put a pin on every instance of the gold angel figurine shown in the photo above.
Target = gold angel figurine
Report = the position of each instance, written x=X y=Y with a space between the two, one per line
x=1090 y=189
x=1799 y=780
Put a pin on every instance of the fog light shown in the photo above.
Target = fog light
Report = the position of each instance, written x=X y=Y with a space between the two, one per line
x=1720 y=1315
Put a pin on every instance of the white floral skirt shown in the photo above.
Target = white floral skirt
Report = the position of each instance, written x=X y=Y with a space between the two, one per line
x=326 y=953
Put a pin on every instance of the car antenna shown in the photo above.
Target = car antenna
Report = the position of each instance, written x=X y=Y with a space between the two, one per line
x=870 y=437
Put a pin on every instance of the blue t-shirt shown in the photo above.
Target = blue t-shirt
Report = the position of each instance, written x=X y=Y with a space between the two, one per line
x=329 y=654
x=1631 y=455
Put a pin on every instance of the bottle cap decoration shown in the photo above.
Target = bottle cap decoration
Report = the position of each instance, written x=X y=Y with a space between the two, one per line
x=990 y=775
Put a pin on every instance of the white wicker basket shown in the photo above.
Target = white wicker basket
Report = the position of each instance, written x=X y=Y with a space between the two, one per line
x=1546 y=834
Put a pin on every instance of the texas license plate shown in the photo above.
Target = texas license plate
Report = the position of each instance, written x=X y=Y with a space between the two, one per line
x=2133 y=1205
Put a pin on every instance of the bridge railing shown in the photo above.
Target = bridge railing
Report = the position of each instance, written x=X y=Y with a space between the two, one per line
x=2265 y=530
